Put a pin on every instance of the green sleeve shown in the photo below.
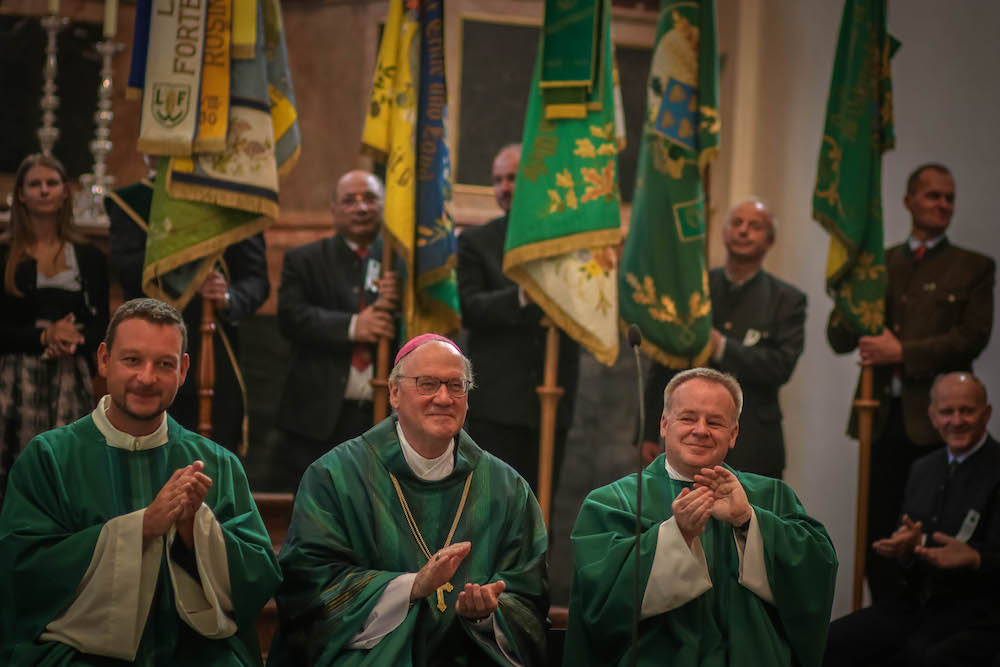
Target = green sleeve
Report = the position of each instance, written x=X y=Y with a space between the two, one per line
x=253 y=568
x=521 y=566
x=326 y=595
x=44 y=552
x=601 y=601
x=801 y=568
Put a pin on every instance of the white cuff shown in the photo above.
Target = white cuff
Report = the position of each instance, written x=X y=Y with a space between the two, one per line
x=351 y=327
x=108 y=615
x=389 y=612
x=753 y=569
x=206 y=606
x=679 y=573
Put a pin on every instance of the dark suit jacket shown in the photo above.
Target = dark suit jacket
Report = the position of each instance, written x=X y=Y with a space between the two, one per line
x=943 y=504
x=506 y=342
x=320 y=291
x=245 y=265
x=941 y=309
x=774 y=314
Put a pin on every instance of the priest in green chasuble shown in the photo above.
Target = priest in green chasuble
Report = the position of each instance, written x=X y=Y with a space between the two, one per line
x=126 y=539
x=410 y=545
x=732 y=571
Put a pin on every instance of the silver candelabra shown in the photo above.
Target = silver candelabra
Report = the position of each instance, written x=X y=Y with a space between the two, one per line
x=99 y=183
x=48 y=133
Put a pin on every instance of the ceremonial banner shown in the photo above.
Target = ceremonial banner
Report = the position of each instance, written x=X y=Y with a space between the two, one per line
x=405 y=128
x=565 y=219
x=847 y=201
x=569 y=59
x=244 y=29
x=214 y=99
x=172 y=78
x=140 y=50
x=664 y=280
x=205 y=203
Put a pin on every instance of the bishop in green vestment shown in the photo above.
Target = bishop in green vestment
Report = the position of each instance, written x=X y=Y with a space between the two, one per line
x=410 y=545
x=732 y=571
x=126 y=539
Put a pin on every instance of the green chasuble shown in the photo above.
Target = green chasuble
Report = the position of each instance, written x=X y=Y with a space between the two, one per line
x=63 y=489
x=349 y=538
x=728 y=624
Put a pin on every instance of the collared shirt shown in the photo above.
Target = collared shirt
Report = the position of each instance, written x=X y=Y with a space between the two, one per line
x=930 y=243
x=122 y=440
x=429 y=470
x=961 y=457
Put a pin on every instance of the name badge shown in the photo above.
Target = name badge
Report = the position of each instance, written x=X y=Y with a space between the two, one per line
x=372 y=274
x=968 y=526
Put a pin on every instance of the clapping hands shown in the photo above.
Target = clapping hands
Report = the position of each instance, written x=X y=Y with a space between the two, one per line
x=716 y=493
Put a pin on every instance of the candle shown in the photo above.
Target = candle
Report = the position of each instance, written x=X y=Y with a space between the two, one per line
x=110 y=17
x=53 y=7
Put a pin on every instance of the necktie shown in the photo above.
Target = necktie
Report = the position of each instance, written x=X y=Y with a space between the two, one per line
x=919 y=252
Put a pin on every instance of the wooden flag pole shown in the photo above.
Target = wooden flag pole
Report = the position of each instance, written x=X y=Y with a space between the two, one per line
x=549 y=394
x=206 y=368
x=380 y=381
x=865 y=406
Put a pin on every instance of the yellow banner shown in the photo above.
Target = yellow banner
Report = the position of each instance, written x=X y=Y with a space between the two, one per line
x=244 y=29
x=214 y=103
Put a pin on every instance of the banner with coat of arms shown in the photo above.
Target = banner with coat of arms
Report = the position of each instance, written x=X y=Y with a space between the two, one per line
x=223 y=126
x=663 y=283
x=847 y=200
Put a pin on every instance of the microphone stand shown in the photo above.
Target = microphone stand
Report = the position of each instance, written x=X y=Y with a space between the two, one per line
x=635 y=340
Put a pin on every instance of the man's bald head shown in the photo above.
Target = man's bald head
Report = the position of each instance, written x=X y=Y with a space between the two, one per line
x=357 y=207
x=959 y=410
x=504 y=175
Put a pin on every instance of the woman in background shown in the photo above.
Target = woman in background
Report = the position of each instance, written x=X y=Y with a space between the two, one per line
x=53 y=311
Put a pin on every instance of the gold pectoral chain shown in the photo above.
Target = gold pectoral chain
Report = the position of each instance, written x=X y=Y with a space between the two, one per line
x=446 y=587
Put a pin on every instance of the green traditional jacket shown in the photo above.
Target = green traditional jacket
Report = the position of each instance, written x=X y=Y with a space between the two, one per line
x=63 y=489
x=728 y=625
x=349 y=538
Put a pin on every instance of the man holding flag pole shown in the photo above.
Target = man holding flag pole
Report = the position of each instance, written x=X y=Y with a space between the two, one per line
x=221 y=120
x=405 y=130
x=847 y=202
x=564 y=219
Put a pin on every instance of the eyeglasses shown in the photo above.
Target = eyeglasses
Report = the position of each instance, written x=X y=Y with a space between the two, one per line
x=429 y=385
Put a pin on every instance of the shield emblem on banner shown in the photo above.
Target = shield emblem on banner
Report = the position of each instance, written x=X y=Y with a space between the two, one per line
x=171 y=103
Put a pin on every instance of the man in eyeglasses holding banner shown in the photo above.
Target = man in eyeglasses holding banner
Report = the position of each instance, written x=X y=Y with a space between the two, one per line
x=411 y=545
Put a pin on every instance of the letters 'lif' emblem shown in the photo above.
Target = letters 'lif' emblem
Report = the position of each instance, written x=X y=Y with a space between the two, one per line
x=171 y=103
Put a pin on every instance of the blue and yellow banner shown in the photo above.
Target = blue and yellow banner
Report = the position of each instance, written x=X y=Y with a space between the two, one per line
x=664 y=279
x=405 y=128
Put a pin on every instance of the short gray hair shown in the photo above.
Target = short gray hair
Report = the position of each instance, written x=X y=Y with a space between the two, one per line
x=710 y=375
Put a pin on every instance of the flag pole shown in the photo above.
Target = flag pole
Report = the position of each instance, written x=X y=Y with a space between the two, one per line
x=380 y=382
x=549 y=394
x=865 y=405
x=206 y=369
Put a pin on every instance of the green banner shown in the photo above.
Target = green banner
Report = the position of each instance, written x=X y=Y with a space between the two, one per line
x=847 y=201
x=565 y=218
x=663 y=284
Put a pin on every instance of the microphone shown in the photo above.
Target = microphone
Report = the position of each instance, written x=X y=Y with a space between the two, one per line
x=634 y=336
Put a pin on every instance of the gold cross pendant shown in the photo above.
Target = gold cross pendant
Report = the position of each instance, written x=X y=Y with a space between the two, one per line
x=440 y=591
